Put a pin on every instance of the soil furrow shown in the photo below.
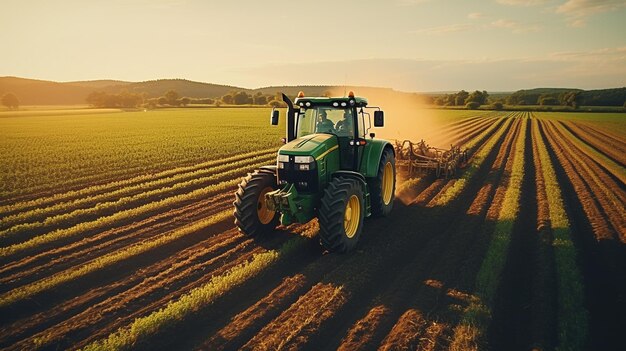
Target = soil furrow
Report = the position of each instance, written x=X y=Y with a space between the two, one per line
x=136 y=290
x=613 y=152
x=64 y=220
x=603 y=261
x=611 y=200
x=427 y=302
x=49 y=262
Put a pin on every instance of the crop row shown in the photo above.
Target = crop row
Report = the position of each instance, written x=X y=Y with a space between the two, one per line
x=108 y=259
x=605 y=190
x=496 y=131
x=614 y=149
x=617 y=170
x=79 y=196
x=59 y=257
x=107 y=221
x=143 y=191
x=476 y=317
x=193 y=301
x=572 y=321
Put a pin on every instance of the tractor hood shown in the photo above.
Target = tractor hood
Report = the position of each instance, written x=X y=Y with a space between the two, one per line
x=310 y=145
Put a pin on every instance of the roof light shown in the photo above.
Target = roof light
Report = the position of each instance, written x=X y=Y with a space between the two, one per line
x=301 y=94
x=336 y=104
x=308 y=103
x=351 y=94
x=343 y=104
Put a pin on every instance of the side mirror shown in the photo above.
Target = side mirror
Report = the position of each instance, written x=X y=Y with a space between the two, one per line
x=379 y=118
x=274 y=117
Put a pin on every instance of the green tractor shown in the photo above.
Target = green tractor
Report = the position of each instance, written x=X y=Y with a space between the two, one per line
x=329 y=168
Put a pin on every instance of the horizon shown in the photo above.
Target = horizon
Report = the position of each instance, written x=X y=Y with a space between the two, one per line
x=314 y=85
x=408 y=45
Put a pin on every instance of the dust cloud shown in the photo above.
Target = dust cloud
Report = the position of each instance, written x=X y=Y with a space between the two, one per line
x=406 y=115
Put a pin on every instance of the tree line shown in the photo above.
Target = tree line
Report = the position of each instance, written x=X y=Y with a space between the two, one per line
x=171 y=98
x=471 y=100
x=573 y=98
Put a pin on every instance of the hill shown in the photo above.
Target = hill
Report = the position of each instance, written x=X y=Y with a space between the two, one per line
x=156 y=88
x=42 y=92
x=99 y=84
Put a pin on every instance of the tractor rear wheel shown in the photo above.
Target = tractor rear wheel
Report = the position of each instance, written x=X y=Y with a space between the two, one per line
x=341 y=214
x=252 y=216
x=383 y=187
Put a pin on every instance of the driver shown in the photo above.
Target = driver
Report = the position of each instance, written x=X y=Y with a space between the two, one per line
x=324 y=125
x=345 y=126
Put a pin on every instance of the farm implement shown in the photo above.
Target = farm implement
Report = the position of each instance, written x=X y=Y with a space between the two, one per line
x=417 y=159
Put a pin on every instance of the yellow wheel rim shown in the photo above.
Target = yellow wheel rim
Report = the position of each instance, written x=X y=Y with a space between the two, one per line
x=387 y=185
x=352 y=216
x=264 y=213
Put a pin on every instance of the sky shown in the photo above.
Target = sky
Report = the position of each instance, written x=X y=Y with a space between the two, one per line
x=408 y=45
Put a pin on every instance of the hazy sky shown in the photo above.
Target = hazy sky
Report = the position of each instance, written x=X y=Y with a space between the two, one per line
x=413 y=45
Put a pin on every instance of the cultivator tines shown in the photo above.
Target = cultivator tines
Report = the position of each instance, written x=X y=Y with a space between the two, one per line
x=420 y=159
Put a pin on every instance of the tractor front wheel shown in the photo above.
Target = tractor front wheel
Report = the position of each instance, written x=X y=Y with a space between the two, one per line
x=252 y=216
x=341 y=214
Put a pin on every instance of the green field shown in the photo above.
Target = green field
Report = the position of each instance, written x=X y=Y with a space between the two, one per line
x=56 y=150
x=44 y=152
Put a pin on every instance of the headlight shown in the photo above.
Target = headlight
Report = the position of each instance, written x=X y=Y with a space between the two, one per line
x=303 y=159
x=283 y=158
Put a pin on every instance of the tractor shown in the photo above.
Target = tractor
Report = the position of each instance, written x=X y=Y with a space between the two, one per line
x=330 y=168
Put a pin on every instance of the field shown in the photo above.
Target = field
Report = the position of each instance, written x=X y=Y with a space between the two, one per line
x=116 y=232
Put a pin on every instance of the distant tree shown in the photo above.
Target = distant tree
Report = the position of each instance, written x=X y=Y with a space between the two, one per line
x=227 y=99
x=473 y=105
x=151 y=103
x=497 y=105
x=624 y=106
x=260 y=100
x=479 y=97
x=218 y=103
x=571 y=98
x=185 y=101
x=548 y=100
x=96 y=98
x=241 y=98
x=162 y=100
x=126 y=99
x=461 y=96
x=10 y=100
x=172 y=97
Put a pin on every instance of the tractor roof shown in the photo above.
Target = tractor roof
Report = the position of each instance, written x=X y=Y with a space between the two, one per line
x=329 y=101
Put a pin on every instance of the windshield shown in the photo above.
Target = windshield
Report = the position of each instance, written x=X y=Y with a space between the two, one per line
x=324 y=119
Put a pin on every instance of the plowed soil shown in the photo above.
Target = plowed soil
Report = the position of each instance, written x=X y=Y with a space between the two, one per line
x=405 y=287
